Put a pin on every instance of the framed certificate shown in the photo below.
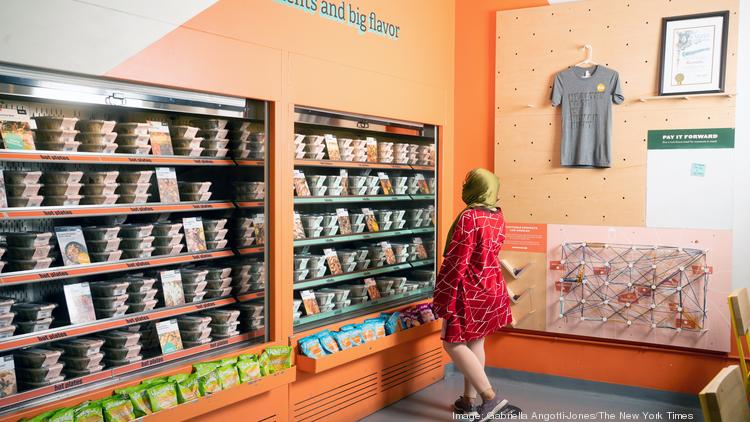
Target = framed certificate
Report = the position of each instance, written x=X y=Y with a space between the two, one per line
x=693 y=53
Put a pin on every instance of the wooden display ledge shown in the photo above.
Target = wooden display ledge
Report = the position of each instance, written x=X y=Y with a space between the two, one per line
x=224 y=398
x=314 y=366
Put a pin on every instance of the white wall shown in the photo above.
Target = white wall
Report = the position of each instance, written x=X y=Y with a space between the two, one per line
x=741 y=248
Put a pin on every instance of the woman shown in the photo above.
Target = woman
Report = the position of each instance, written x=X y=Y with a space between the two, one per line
x=470 y=293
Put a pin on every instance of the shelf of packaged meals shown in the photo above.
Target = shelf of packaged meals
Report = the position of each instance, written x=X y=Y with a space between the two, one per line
x=54 y=273
x=342 y=357
x=369 y=305
x=361 y=236
x=116 y=372
x=250 y=250
x=21 y=213
x=355 y=199
x=331 y=279
x=58 y=333
x=359 y=165
x=36 y=156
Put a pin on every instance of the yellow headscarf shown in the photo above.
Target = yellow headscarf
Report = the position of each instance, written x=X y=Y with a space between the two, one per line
x=480 y=189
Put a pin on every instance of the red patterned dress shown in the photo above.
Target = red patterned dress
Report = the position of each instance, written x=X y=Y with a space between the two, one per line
x=470 y=292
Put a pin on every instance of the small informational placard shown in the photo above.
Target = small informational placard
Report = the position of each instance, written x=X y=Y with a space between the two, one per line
x=691 y=138
x=15 y=130
x=3 y=197
x=344 y=182
x=370 y=220
x=419 y=246
x=72 y=245
x=171 y=288
x=332 y=147
x=385 y=183
x=8 y=385
x=169 y=336
x=372 y=150
x=166 y=180
x=345 y=224
x=299 y=229
x=161 y=142
x=79 y=302
x=424 y=188
x=372 y=288
x=332 y=259
x=390 y=257
x=300 y=184
x=311 y=304
x=195 y=238
x=697 y=170
x=259 y=223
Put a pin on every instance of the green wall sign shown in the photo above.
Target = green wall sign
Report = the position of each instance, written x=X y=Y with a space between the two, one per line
x=691 y=138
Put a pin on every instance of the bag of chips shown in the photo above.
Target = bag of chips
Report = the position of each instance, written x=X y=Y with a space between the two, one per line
x=178 y=377
x=328 y=342
x=343 y=339
x=248 y=356
x=118 y=409
x=209 y=383
x=311 y=347
x=355 y=335
x=162 y=396
x=249 y=369
x=154 y=381
x=187 y=389
x=67 y=414
x=392 y=323
x=278 y=358
x=138 y=397
x=228 y=376
x=425 y=313
x=368 y=332
x=349 y=327
x=89 y=412
x=202 y=368
x=227 y=361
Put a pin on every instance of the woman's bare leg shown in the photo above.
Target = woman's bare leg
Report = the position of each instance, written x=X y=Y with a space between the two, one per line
x=470 y=366
x=476 y=347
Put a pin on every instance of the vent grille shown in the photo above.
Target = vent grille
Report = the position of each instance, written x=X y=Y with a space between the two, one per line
x=323 y=405
x=271 y=418
x=407 y=370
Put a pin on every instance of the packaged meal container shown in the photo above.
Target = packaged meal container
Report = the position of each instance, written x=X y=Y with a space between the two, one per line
x=222 y=316
x=195 y=335
x=98 y=148
x=100 y=177
x=28 y=239
x=167 y=229
x=195 y=297
x=223 y=336
x=99 y=199
x=69 y=146
x=33 y=311
x=113 y=363
x=77 y=373
x=145 y=306
x=132 y=128
x=5 y=304
x=142 y=296
x=99 y=189
x=195 y=197
x=215 y=224
x=80 y=347
x=137 y=243
x=250 y=309
x=111 y=301
x=96 y=138
x=132 y=140
x=168 y=250
x=134 y=149
x=121 y=353
x=82 y=363
x=216 y=244
x=23 y=190
x=217 y=293
x=133 y=188
x=193 y=322
x=35 y=252
x=137 y=253
x=36 y=357
x=134 y=199
x=109 y=288
x=101 y=233
x=103 y=245
x=140 y=284
x=188 y=344
x=168 y=241
x=216 y=234
x=120 y=339
x=40 y=375
x=193 y=275
x=21 y=177
x=67 y=189
x=105 y=256
x=218 y=273
x=220 y=284
x=143 y=176
x=193 y=288
x=135 y=230
x=112 y=312
x=61 y=201
x=55 y=122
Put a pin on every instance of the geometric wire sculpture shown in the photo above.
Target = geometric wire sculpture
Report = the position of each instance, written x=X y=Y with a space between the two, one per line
x=657 y=286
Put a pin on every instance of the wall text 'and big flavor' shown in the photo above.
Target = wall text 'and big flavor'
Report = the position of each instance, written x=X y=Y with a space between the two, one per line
x=346 y=13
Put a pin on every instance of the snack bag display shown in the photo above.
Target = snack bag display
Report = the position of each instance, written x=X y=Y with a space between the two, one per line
x=67 y=414
x=118 y=409
x=249 y=369
x=263 y=363
x=138 y=397
x=378 y=325
x=227 y=361
x=368 y=332
x=162 y=396
x=279 y=358
x=209 y=383
x=228 y=376
x=327 y=341
x=311 y=347
x=343 y=339
x=89 y=412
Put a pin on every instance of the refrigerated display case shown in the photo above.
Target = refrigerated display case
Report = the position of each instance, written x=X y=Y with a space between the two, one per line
x=107 y=188
x=365 y=212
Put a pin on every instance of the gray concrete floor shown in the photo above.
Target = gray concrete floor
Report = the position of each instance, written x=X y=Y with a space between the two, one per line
x=548 y=398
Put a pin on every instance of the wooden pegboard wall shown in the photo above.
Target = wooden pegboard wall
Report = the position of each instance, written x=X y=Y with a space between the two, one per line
x=534 y=44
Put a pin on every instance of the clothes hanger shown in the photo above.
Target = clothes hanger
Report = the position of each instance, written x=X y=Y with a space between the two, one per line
x=589 y=57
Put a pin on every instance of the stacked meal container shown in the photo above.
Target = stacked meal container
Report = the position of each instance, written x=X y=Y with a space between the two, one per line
x=97 y=136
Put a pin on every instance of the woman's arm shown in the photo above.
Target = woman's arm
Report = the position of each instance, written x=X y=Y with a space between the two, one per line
x=455 y=265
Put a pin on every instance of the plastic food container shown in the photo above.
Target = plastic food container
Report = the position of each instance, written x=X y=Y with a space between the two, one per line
x=168 y=250
x=212 y=144
x=58 y=146
x=82 y=363
x=142 y=296
x=213 y=133
x=134 y=199
x=145 y=306
x=28 y=239
x=194 y=187
x=135 y=176
x=103 y=245
x=215 y=152
x=300 y=263
x=110 y=301
x=132 y=140
x=330 y=231
x=215 y=224
x=324 y=298
x=134 y=149
x=98 y=148
x=109 y=288
x=313 y=232
x=33 y=311
x=251 y=310
x=186 y=142
x=338 y=294
x=100 y=177
x=195 y=335
x=55 y=122
x=98 y=126
x=122 y=353
x=216 y=234
x=192 y=322
x=39 y=375
x=66 y=189
x=99 y=199
x=194 y=275
x=111 y=312
x=33 y=326
x=183 y=131
x=216 y=293
x=132 y=128
x=193 y=288
x=358 y=299
x=36 y=357
x=30 y=253
x=210 y=123
x=21 y=177
x=216 y=244
x=189 y=152
x=62 y=200
x=355 y=290
x=23 y=190
x=76 y=373
x=80 y=347
x=167 y=229
x=100 y=233
x=96 y=138
x=317 y=272
x=194 y=297
x=140 y=284
x=29 y=264
x=113 y=363
x=106 y=256
x=326 y=308
x=222 y=316
x=169 y=240
x=99 y=189
x=219 y=284
x=137 y=253
x=188 y=344
x=33 y=201
x=55 y=136
x=5 y=304
x=195 y=197
x=134 y=231
x=218 y=273
x=133 y=188
x=119 y=339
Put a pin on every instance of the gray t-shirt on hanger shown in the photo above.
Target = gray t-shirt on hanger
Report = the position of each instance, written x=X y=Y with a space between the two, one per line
x=586 y=95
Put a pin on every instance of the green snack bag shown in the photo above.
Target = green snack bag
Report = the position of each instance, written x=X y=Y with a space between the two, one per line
x=209 y=383
x=67 y=414
x=249 y=369
x=138 y=397
x=263 y=363
x=178 y=378
x=187 y=389
x=248 y=356
x=154 y=381
x=91 y=412
x=44 y=417
x=227 y=361
x=279 y=358
x=228 y=376
x=162 y=396
x=118 y=409
x=203 y=368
